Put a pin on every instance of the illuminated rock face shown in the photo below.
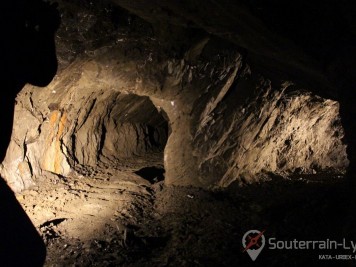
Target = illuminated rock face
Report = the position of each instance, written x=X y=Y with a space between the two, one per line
x=279 y=131
x=124 y=100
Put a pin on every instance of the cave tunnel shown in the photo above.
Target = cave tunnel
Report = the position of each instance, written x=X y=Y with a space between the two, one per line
x=173 y=134
x=120 y=129
x=127 y=132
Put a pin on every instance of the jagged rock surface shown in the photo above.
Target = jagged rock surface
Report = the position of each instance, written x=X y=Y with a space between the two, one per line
x=205 y=114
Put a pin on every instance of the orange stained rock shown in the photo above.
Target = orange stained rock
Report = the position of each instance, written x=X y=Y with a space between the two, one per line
x=53 y=155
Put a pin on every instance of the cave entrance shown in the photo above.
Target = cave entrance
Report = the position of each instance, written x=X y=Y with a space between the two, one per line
x=134 y=134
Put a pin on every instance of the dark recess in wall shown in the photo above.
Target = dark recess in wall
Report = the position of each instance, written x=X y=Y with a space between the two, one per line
x=151 y=174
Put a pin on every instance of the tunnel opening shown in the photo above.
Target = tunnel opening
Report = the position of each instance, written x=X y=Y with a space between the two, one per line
x=96 y=157
x=130 y=134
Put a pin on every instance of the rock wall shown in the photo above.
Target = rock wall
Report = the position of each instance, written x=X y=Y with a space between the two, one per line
x=121 y=101
x=283 y=131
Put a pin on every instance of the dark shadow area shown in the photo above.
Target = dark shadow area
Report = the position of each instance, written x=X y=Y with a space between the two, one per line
x=151 y=174
x=20 y=243
x=27 y=55
x=310 y=208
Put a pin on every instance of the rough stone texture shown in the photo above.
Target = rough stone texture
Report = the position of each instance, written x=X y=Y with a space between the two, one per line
x=119 y=94
x=278 y=131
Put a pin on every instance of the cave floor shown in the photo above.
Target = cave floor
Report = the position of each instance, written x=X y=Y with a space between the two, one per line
x=113 y=218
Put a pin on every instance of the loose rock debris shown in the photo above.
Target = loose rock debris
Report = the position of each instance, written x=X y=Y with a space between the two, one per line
x=123 y=220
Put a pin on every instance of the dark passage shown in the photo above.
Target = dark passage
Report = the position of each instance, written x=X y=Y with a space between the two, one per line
x=134 y=133
x=152 y=174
